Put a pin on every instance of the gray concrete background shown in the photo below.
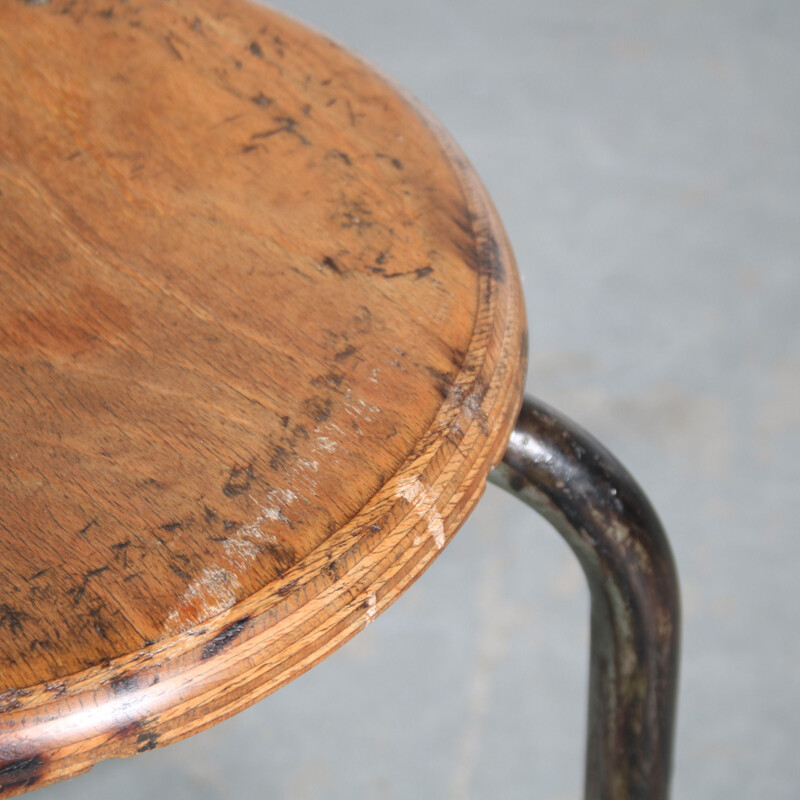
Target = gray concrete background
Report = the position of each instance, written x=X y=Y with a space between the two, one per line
x=645 y=158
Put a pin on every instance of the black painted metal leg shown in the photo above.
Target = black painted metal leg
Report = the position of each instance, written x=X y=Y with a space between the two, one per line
x=574 y=482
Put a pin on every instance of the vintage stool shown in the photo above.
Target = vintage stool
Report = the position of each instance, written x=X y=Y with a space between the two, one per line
x=262 y=343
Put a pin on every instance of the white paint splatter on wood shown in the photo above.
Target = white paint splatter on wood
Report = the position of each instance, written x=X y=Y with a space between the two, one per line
x=415 y=492
x=213 y=592
x=372 y=607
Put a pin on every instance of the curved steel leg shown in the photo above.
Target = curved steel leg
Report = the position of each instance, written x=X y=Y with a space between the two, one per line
x=574 y=482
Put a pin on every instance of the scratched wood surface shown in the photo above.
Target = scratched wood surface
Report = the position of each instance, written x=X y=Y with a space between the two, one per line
x=261 y=340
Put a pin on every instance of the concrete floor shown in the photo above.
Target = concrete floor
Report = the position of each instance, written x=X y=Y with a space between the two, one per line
x=646 y=160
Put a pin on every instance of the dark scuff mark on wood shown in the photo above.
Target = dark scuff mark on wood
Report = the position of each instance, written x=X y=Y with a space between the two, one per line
x=79 y=591
x=98 y=622
x=85 y=529
x=278 y=45
x=262 y=100
x=279 y=457
x=223 y=638
x=363 y=319
x=22 y=772
x=395 y=162
x=332 y=569
x=178 y=569
x=284 y=554
x=490 y=257
x=480 y=250
x=341 y=156
x=137 y=733
x=12 y=618
x=354 y=115
x=239 y=481
x=423 y=272
x=11 y=699
x=444 y=380
x=286 y=521
x=172 y=48
x=331 y=264
x=319 y=410
x=420 y=272
x=146 y=740
x=331 y=380
x=285 y=125
x=457 y=357
x=120 y=551
x=123 y=684
x=287 y=588
x=343 y=355
x=354 y=214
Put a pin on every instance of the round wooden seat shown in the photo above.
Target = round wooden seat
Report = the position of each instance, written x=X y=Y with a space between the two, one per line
x=261 y=341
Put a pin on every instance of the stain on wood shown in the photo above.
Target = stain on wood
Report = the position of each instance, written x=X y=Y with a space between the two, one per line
x=21 y=774
x=261 y=340
x=223 y=638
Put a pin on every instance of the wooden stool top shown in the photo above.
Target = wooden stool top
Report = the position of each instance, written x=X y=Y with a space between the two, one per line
x=261 y=340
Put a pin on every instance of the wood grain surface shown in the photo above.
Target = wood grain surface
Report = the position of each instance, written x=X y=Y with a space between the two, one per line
x=261 y=340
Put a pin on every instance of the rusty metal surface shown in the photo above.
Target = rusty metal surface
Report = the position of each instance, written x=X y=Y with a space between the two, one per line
x=589 y=497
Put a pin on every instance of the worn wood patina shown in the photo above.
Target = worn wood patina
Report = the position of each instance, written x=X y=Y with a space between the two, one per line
x=261 y=341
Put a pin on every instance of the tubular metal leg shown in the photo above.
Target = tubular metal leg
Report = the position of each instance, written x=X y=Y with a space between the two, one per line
x=589 y=497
